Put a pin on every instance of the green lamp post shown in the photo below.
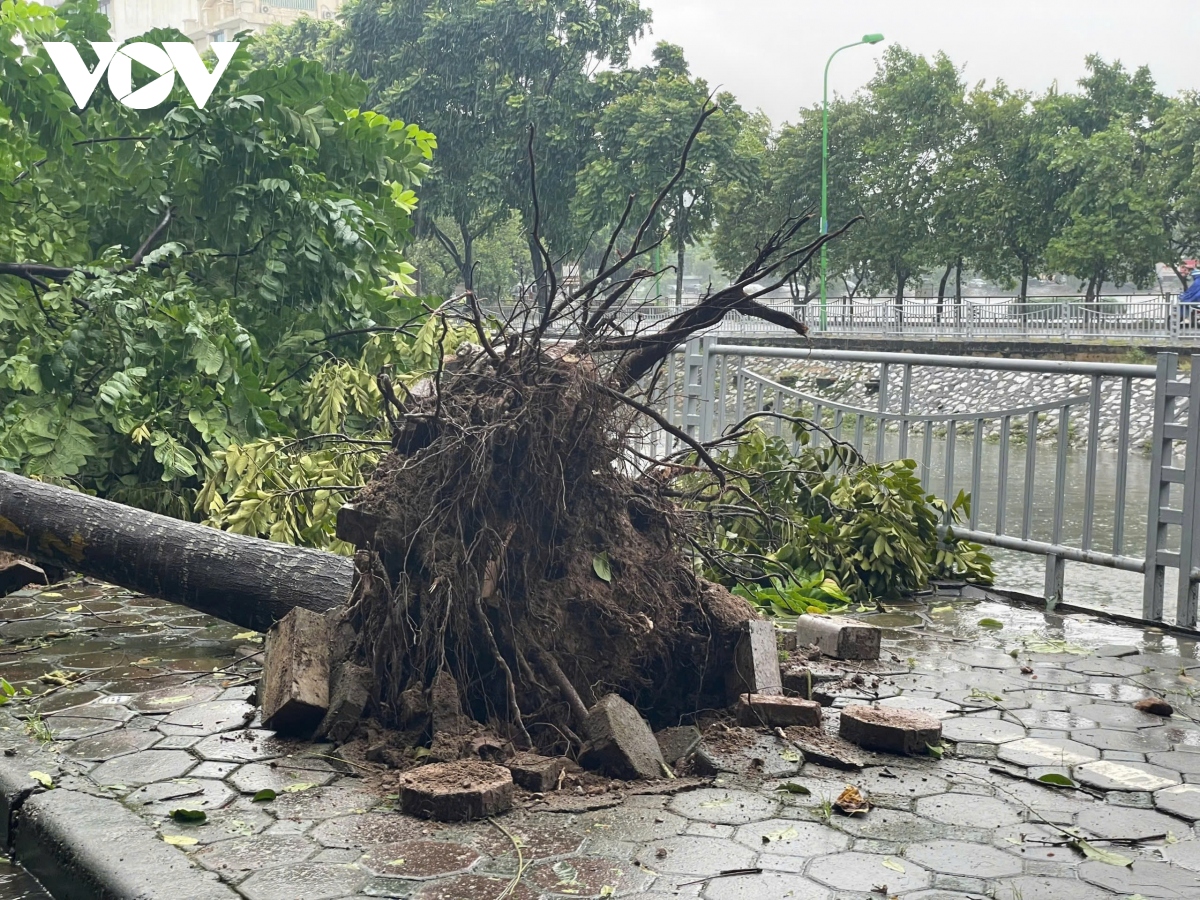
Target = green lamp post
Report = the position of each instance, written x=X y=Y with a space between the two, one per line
x=867 y=39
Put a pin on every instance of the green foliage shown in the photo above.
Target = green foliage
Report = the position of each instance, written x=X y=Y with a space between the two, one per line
x=822 y=530
x=167 y=277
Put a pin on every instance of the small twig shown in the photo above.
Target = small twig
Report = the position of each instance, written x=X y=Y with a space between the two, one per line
x=516 y=879
x=726 y=873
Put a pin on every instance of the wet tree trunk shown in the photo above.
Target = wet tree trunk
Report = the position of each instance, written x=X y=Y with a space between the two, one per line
x=243 y=580
x=941 y=303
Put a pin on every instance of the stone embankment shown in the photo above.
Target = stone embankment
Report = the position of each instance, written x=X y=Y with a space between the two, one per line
x=950 y=392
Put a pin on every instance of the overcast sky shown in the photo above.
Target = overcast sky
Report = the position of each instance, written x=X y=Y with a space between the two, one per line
x=771 y=53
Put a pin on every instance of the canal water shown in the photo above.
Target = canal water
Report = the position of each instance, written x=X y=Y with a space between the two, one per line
x=16 y=884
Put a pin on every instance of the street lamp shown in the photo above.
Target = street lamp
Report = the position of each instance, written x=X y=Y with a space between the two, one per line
x=867 y=39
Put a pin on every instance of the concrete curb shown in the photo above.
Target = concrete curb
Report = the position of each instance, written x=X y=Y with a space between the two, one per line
x=82 y=847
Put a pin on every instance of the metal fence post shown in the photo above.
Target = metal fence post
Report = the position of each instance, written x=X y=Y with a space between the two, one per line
x=697 y=406
x=1160 y=490
x=1056 y=566
x=1189 y=537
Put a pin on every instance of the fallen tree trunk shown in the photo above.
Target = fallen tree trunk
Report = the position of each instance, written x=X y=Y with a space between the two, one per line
x=244 y=580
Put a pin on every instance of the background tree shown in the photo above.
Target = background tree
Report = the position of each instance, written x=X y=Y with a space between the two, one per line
x=1177 y=174
x=168 y=277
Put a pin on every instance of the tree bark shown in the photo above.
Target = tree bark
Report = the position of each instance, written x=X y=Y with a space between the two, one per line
x=941 y=303
x=683 y=213
x=250 y=582
x=1024 y=281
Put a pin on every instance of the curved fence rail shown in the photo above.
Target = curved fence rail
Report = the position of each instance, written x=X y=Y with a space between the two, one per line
x=712 y=386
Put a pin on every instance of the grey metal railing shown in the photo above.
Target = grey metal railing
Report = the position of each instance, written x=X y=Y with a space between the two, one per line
x=711 y=386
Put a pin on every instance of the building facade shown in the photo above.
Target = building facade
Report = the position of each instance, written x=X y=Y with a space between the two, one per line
x=209 y=21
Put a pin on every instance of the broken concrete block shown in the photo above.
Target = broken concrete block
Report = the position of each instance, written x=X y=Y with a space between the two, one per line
x=838 y=637
x=456 y=791
x=295 y=678
x=16 y=573
x=619 y=742
x=356 y=526
x=798 y=680
x=538 y=774
x=756 y=661
x=906 y=731
x=677 y=743
x=756 y=710
x=349 y=693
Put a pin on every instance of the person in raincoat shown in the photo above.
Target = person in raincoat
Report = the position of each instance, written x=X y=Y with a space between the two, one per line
x=1189 y=300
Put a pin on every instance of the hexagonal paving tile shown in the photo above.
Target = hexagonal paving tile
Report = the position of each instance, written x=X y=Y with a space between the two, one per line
x=1109 y=716
x=695 y=856
x=1114 y=739
x=1184 y=853
x=111 y=745
x=867 y=871
x=144 y=768
x=1113 y=668
x=1144 y=877
x=248 y=745
x=319 y=804
x=212 y=717
x=184 y=793
x=631 y=824
x=1182 y=800
x=724 y=807
x=961 y=858
x=474 y=887
x=980 y=731
x=225 y=824
x=969 y=811
x=312 y=881
x=1046 y=887
x=538 y=841
x=789 y=837
x=1106 y=821
x=581 y=876
x=938 y=708
x=1112 y=775
x=281 y=775
x=1185 y=762
x=169 y=699
x=898 y=782
x=892 y=825
x=419 y=859
x=1053 y=719
x=372 y=829
x=768 y=884
x=86 y=721
x=235 y=859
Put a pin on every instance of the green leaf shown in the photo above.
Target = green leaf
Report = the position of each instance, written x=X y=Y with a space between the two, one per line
x=792 y=788
x=264 y=795
x=43 y=779
x=298 y=787
x=1104 y=856
x=180 y=840
x=189 y=815
x=893 y=864
x=602 y=567
x=1057 y=780
x=992 y=624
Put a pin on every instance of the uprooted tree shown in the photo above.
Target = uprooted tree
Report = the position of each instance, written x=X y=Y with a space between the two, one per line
x=519 y=539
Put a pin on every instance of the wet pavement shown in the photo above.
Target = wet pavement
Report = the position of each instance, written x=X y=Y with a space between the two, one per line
x=149 y=704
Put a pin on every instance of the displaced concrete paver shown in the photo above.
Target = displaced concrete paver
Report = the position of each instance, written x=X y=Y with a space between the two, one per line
x=160 y=730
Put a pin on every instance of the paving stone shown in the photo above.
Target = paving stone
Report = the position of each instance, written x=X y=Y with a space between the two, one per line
x=840 y=638
x=183 y=793
x=234 y=859
x=864 y=871
x=760 y=755
x=247 y=745
x=419 y=859
x=890 y=730
x=619 y=742
x=694 y=856
x=1182 y=800
x=208 y=718
x=789 y=837
x=1055 y=720
x=171 y=698
x=892 y=825
x=980 y=731
x=725 y=807
x=474 y=887
x=1147 y=878
x=367 y=830
x=589 y=877
x=1110 y=716
x=968 y=811
x=899 y=782
x=281 y=775
x=225 y=824
x=768 y=884
x=757 y=710
x=144 y=768
x=1111 y=775
x=939 y=709
x=1107 y=821
x=319 y=804
x=311 y=881
x=538 y=839
x=1116 y=651
x=70 y=728
x=1184 y=853
x=1143 y=741
x=1041 y=887
x=538 y=774
x=1113 y=668
x=114 y=744
x=960 y=858
x=213 y=770
x=1182 y=761
x=756 y=661
x=631 y=824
